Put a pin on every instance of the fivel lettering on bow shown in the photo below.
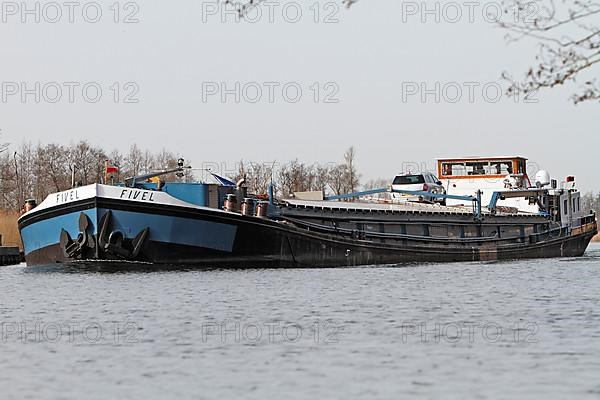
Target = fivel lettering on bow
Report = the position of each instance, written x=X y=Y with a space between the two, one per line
x=65 y=197
x=131 y=194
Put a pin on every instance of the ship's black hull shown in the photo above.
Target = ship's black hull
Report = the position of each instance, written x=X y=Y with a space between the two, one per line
x=159 y=253
x=261 y=242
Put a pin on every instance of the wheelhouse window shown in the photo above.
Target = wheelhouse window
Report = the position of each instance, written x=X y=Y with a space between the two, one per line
x=454 y=169
x=502 y=167
x=478 y=167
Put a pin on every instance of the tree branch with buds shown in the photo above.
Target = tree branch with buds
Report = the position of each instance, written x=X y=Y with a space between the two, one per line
x=244 y=6
x=569 y=44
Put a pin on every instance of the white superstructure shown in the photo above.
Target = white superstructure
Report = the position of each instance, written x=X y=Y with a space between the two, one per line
x=465 y=176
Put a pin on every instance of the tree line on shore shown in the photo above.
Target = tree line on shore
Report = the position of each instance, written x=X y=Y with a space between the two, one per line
x=296 y=176
x=591 y=201
x=36 y=170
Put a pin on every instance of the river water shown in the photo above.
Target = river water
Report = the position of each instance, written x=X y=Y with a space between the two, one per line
x=501 y=330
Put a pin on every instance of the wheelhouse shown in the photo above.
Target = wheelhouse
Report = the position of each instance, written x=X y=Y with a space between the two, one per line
x=477 y=167
x=465 y=176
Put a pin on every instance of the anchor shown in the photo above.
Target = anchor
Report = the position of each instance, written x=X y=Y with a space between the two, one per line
x=75 y=248
x=114 y=242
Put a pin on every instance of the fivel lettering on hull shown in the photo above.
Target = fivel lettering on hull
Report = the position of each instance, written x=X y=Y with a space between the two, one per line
x=132 y=194
x=68 y=196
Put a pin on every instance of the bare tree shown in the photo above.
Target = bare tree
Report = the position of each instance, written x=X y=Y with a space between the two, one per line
x=88 y=162
x=6 y=177
x=379 y=183
x=148 y=161
x=336 y=179
x=569 y=43
x=591 y=201
x=25 y=173
x=295 y=177
x=321 y=177
x=3 y=146
x=52 y=162
x=259 y=177
x=243 y=7
x=134 y=161
x=164 y=159
x=351 y=178
x=6 y=181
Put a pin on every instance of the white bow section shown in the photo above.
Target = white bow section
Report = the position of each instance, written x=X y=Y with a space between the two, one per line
x=113 y=192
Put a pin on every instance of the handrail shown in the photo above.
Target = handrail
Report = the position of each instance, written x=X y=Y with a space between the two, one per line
x=390 y=190
x=475 y=199
x=430 y=238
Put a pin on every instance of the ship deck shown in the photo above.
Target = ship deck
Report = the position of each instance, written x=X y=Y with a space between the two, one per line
x=407 y=206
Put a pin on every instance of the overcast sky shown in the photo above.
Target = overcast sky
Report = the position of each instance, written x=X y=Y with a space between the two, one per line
x=176 y=59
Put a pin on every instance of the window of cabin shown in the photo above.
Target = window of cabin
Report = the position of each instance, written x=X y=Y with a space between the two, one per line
x=578 y=205
x=454 y=169
x=503 y=167
x=489 y=169
x=566 y=207
x=476 y=167
x=521 y=166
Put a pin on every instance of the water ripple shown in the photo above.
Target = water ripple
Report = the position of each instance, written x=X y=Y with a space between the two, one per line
x=511 y=329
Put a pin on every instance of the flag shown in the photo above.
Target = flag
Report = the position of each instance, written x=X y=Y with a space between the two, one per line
x=222 y=181
x=108 y=170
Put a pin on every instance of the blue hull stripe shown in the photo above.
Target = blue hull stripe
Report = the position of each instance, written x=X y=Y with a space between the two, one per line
x=191 y=232
x=168 y=229
x=47 y=232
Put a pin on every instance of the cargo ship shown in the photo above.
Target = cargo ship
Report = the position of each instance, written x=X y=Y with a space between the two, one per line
x=474 y=209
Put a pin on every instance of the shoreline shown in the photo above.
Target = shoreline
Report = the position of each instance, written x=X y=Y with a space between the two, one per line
x=9 y=233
